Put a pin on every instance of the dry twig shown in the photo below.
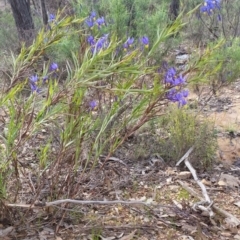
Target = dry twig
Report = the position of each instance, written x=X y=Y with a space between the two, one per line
x=57 y=202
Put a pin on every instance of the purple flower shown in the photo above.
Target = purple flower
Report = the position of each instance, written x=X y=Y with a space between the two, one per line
x=177 y=96
x=54 y=67
x=182 y=102
x=45 y=79
x=100 y=21
x=170 y=76
x=92 y=15
x=171 y=94
x=90 y=22
x=101 y=43
x=34 y=88
x=180 y=80
x=128 y=43
x=33 y=83
x=92 y=105
x=33 y=79
x=90 y=40
x=172 y=79
x=51 y=17
x=209 y=6
x=145 y=41
x=185 y=93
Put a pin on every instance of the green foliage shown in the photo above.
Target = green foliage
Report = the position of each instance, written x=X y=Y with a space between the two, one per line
x=183 y=195
x=203 y=28
x=229 y=54
x=133 y=18
x=82 y=133
x=149 y=15
x=8 y=33
x=62 y=51
x=127 y=94
x=184 y=131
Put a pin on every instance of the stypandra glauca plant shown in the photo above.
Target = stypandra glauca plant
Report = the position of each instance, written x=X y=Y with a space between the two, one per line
x=73 y=112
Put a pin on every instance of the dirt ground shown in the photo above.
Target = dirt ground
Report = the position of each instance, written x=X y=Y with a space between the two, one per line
x=169 y=194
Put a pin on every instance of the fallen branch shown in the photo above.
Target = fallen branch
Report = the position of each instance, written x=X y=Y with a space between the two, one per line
x=200 y=184
x=185 y=156
x=218 y=210
x=57 y=202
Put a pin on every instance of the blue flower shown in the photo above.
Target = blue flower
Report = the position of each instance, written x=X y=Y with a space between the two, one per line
x=33 y=79
x=172 y=79
x=185 y=93
x=145 y=41
x=90 y=22
x=90 y=40
x=101 y=43
x=170 y=76
x=209 y=6
x=92 y=105
x=128 y=43
x=33 y=83
x=54 y=67
x=175 y=93
x=177 y=96
x=92 y=15
x=45 y=79
x=51 y=17
x=100 y=21
x=34 y=88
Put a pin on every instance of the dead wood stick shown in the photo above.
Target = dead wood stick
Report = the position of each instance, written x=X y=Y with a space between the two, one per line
x=194 y=174
x=186 y=155
x=57 y=202
x=215 y=208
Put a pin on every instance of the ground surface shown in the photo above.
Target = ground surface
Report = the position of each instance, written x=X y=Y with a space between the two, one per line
x=169 y=213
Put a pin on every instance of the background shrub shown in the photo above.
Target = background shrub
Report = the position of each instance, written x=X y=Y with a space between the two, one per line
x=182 y=131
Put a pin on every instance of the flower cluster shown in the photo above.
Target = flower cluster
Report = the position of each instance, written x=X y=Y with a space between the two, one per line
x=98 y=44
x=175 y=83
x=171 y=78
x=178 y=96
x=209 y=6
x=128 y=44
x=33 y=80
x=92 y=20
x=144 y=43
x=103 y=42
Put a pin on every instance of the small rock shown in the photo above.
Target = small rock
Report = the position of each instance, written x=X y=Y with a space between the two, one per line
x=41 y=137
x=222 y=183
x=171 y=171
x=237 y=204
x=226 y=234
x=228 y=180
x=174 y=188
x=146 y=219
x=206 y=182
x=184 y=175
